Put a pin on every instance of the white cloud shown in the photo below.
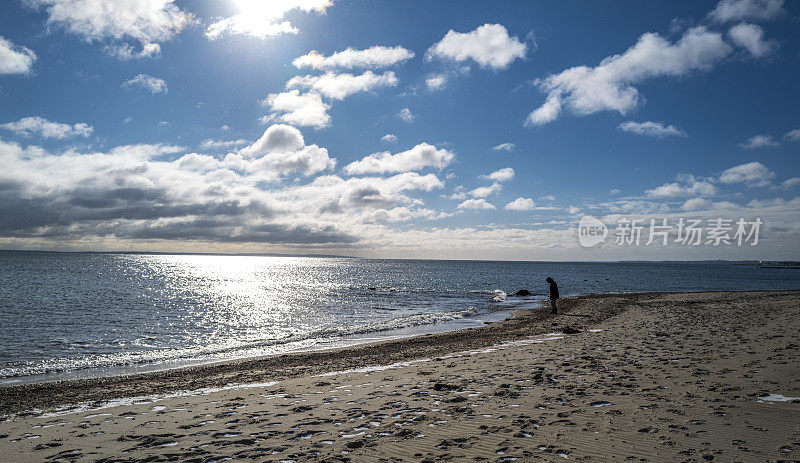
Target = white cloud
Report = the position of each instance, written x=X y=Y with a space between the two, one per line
x=458 y=194
x=759 y=141
x=521 y=204
x=280 y=150
x=389 y=138
x=751 y=38
x=548 y=198
x=504 y=147
x=486 y=191
x=792 y=135
x=340 y=86
x=418 y=157
x=40 y=126
x=261 y=19
x=502 y=175
x=137 y=192
x=146 y=21
x=609 y=86
x=127 y=52
x=651 y=129
x=476 y=204
x=211 y=144
x=752 y=173
x=436 y=82
x=375 y=57
x=277 y=138
x=401 y=214
x=573 y=210
x=303 y=109
x=406 y=115
x=697 y=204
x=790 y=183
x=488 y=45
x=736 y=10
x=153 y=84
x=15 y=59
x=688 y=186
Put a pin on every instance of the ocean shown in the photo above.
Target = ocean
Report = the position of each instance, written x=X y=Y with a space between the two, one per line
x=73 y=315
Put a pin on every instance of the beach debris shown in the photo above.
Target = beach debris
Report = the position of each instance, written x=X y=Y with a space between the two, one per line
x=570 y=330
x=445 y=387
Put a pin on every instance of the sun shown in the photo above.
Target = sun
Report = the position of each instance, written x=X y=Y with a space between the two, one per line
x=260 y=9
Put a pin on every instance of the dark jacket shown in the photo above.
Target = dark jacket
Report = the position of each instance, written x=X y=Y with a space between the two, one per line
x=553 y=290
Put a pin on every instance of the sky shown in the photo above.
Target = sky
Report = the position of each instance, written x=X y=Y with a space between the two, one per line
x=448 y=130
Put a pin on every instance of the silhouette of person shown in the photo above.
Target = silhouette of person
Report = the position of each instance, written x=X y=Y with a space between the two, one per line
x=553 y=294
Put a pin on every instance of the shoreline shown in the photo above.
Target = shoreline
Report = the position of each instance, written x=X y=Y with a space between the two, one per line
x=656 y=377
x=291 y=347
x=39 y=397
x=34 y=397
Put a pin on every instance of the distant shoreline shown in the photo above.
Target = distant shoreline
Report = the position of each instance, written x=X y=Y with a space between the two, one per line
x=338 y=256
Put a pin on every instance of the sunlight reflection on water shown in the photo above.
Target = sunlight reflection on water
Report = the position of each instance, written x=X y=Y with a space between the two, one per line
x=72 y=311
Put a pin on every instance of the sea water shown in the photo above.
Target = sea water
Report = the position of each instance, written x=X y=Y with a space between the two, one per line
x=89 y=314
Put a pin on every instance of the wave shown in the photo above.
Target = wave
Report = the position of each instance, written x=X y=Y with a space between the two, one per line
x=235 y=349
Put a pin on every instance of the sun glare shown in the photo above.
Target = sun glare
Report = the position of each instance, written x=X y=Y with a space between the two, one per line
x=260 y=9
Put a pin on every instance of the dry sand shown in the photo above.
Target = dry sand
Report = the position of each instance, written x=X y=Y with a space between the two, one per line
x=655 y=377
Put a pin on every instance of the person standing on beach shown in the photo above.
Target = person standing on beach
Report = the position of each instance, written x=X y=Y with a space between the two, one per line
x=553 y=294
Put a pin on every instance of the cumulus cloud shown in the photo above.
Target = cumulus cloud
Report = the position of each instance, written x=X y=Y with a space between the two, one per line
x=504 y=147
x=687 y=185
x=609 y=85
x=502 y=175
x=476 y=204
x=652 y=129
x=145 y=21
x=751 y=38
x=30 y=126
x=406 y=115
x=486 y=191
x=302 y=109
x=282 y=150
x=489 y=45
x=521 y=204
x=458 y=194
x=15 y=59
x=792 y=135
x=340 y=86
x=751 y=173
x=790 y=183
x=375 y=57
x=156 y=192
x=389 y=138
x=436 y=82
x=760 y=141
x=737 y=10
x=419 y=157
x=261 y=19
x=153 y=84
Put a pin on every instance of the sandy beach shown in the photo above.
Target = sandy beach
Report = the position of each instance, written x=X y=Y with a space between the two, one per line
x=646 y=377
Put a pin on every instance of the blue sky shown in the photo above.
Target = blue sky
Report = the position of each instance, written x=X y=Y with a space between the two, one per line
x=374 y=128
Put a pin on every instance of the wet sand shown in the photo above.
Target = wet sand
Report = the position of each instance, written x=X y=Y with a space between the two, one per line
x=647 y=377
